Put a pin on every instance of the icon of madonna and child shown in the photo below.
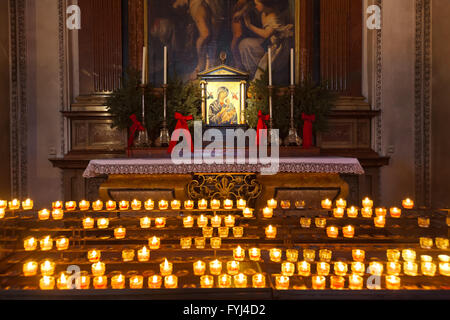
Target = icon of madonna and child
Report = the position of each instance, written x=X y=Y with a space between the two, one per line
x=221 y=111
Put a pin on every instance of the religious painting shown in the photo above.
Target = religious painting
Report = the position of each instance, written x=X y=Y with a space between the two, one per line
x=196 y=32
x=223 y=103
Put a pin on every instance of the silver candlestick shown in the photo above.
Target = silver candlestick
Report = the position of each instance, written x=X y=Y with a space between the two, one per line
x=293 y=139
x=142 y=140
x=164 y=137
x=270 y=136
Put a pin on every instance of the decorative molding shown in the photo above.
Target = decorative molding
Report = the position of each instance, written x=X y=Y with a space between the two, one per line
x=422 y=92
x=379 y=84
x=18 y=106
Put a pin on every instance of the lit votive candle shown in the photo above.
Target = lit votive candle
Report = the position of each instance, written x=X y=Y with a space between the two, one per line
x=62 y=243
x=143 y=254
x=215 y=267
x=304 y=268
x=444 y=258
x=423 y=222
x=136 y=282
x=444 y=268
x=259 y=280
x=223 y=232
x=338 y=212
x=340 y=268
x=326 y=204
x=352 y=212
x=200 y=242
x=71 y=205
x=323 y=268
x=355 y=282
x=238 y=232
x=281 y=282
x=118 y=281
x=216 y=242
x=160 y=222
x=409 y=255
x=426 y=243
x=2 y=213
x=393 y=268
x=155 y=282
x=175 y=204
x=97 y=205
x=224 y=281
x=202 y=221
x=426 y=258
x=30 y=244
x=305 y=222
x=14 y=204
x=98 y=269
x=428 y=269
x=100 y=282
x=442 y=243
x=318 y=282
x=145 y=222
x=88 y=223
x=188 y=222
x=379 y=221
x=300 y=204
x=30 y=268
x=120 y=233
x=149 y=205
x=341 y=203
x=271 y=232
x=267 y=213
x=367 y=203
x=247 y=213
x=376 y=268
x=27 y=204
x=392 y=282
x=207 y=232
x=240 y=280
x=103 y=223
x=241 y=204
x=230 y=221
x=186 y=242
x=358 y=268
x=233 y=267
x=408 y=204
x=320 y=222
x=163 y=205
x=199 y=268
x=395 y=212
x=202 y=204
x=189 y=204
x=85 y=280
x=47 y=268
x=44 y=214
x=309 y=255
x=285 y=204
x=84 y=205
x=111 y=205
x=215 y=204
x=94 y=255
x=136 y=205
x=3 y=204
x=410 y=268
x=337 y=282
x=166 y=268
x=228 y=204
x=46 y=243
x=393 y=255
x=57 y=214
x=325 y=255
x=332 y=232
x=275 y=254
x=380 y=212
x=216 y=221
x=254 y=254
x=206 y=282
x=272 y=203
x=62 y=283
x=366 y=212
x=57 y=205
x=239 y=254
x=287 y=269
x=292 y=255
x=348 y=231
x=358 y=255
x=47 y=283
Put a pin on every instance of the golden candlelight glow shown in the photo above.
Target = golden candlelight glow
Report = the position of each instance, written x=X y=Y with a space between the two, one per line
x=233 y=267
x=326 y=204
x=259 y=280
x=348 y=231
x=238 y=232
x=230 y=221
x=175 y=205
x=145 y=222
x=320 y=222
x=85 y=280
x=318 y=282
x=62 y=282
x=103 y=223
x=188 y=222
x=143 y=254
x=223 y=232
x=281 y=282
x=380 y=212
x=199 y=268
x=423 y=222
x=254 y=254
x=57 y=205
x=2 y=213
x=358 y=268
x=442 y=243
x=123 y=206
x=309 y=255
x=271 y=232
x=215 y=204
x=247 y=213
x=207 y=282
x=267 y=213
x=379 y=221
x=71 y=205
x=340 y=268
x=94 y=255
x=376 y=268
x=47 y=283
x=393 y=268
x=358 y=255
x=393 y=255
x=57 y=214
x=337 y=282
x=408 y=203
x=228 y=204
x=215 y=267
x=285 y=204
x=30 y=268
x=202 y=204
x=338 y=212
x=352 y=212
x=88 y=223
x=428 y=269
x=325 y=255
x=200 y=242
x=287 y=269
x=366 y=212
x=341 y=203
x=224 y=281
x=47 y=268
x=136 y=282
x=444 y=268
x=27 y=204
x=292 y=255
x=120 y=233
x=395 y=212
x=272 y=203
x=160 y=222
x=62 y=243
x=275 y=254
x=136 y=205
x=332 y=232
x=84 y=205
x=409 y=255
x=426 y=243
x=239 y=254
x=118 y=281
x=166 y=268
x=410 y=268
x=323 y=268
x=216 y=242
x=240 y=280
x=155 y=282
x=98 y=269
x=367 y=203
x=30 y=244
x=216 y=221
x=101 y=282
x=392 y=282
x=189 y=204
x=163 y=205
x=110 y=205
x=202 y=221
x=44 y=214
x=355 y=282
x=304 y=268
x=3 y=204
x=241 y=204
x=186 y=242
x=97 y=205
x=149 y=205
x=305 y=222
x=154 y=243
x=14 y=204
x=46 y=243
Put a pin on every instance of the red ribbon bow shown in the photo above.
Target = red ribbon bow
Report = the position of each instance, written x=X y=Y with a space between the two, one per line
x=181 y=124
x=307 y=130
x=136 y=126
x=261 y=126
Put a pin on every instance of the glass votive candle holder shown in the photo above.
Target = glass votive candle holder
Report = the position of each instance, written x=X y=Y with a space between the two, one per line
x=323 y=268
x=30 y=244
x=358 y=268
x=300 y=204
x=200 y=242
x=2 y=213
x=240 y=280
x=332 y=232
x=341 y=203
x=216 y=242
x=154 y=243
x=85 y=280
x=166 y=268
x=120 y=233
x=145 y=222
x=186 y=242
x=47 y=283
x=123 y=206
x=233 y=267
x=352 y=212
x=304 y=268
x=15 y=204
x=118 y=281
x=367 y=203
x=171 y=282
x=202 y=221
x=309 y=255
x=199 y=268
x=230 y=221
x=393 y=268
x=379 y=221
x=247 y=213
x=285 y=204
x=88 y=223
x=202 y=204
x=163 y=205
x=318 y=282
x=366 y=212
x=393 y=255
x=175 y=205
x=62 y=243
x=408 y=204
x=215 y=267
x=426 y=243
x=287 y=269
x=428 y=269
x=239 y=254
x=224 y=281
x=55 y=205
x=155 y=281
x=215 y=204
x=325 y=255
x=94 y=255
x=143 y=254
x=259 y=280
x=444 y=258
x=355 y=282
x=44 y=214
x=111 y=205
x=46 y=243
x=326 y=204
x=216 y=221
x=254 y=254
x=338 y=212
x=267 y=213
x=410 y=268
x=160 y=222
x=97 y=205
x=3 y=204
x=207 y=232
x=395 y=212
x=409 y=255
x=223 y=232
x=100 y=282
x=305 y=222
x=292 y=255
x=380 y=212
x=348 y=231
x=149 y=205
x=340 y=268
x=103 y=223
x=442 y=243
x=271 y=232
x=136 y=205
x=238 y=232
x=136 y=282
x=47 y=268
x=57 y=214
x=423 y=222
x=241 y=204
x=337 y=282
x=30 y=268
x=358 y=255
x=228 y=204
x=206 y=282
x=127 y=255
x=444 y=268
x=393 y=282
x=376 y=268
x=275 y=255
x=188 y=204
x=281 y=282
x=272 y=203
x=321 y=222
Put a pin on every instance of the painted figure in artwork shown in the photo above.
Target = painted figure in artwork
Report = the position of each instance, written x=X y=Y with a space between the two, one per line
x=222 y=111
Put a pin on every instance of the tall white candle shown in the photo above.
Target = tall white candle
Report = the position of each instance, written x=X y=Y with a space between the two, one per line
x=165 y=64
x=292 y=67
x=270 y=66
x=144 y=64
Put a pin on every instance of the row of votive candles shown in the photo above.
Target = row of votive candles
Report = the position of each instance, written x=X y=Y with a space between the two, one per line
x=366 y=203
